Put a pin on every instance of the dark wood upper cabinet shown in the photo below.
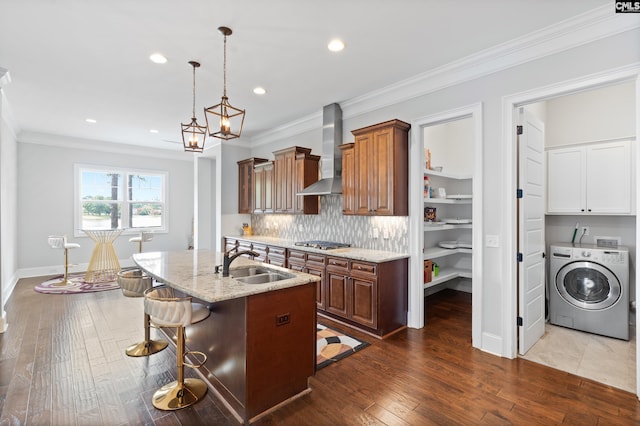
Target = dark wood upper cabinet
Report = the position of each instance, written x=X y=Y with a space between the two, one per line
x=246 y=184
x=295 y=168
x=263 y=187
x=381 y=170
x=348 y=178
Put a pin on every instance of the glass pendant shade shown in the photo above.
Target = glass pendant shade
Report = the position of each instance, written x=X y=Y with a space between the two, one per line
x=224 y=121
x=193 y=135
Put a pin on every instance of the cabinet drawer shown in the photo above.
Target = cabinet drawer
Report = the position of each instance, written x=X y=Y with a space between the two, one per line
x=277 y=251
x=244 y=245
x=297 y=254
x=338 y=264
x=316 y=259
x=363 y=269
x=276 y=260
x=296 y=266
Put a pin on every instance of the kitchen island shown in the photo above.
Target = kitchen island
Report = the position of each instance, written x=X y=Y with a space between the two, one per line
x=260 y=339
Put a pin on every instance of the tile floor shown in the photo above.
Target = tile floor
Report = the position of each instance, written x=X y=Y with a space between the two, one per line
x=604 y=359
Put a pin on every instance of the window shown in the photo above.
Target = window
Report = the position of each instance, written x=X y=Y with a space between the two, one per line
x=118 y=198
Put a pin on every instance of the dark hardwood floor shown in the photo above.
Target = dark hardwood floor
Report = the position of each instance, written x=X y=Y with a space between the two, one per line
x=62 y=362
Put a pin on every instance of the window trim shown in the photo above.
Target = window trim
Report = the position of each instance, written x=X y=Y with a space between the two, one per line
x=122 y=198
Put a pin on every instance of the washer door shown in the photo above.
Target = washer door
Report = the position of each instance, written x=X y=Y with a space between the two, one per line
x=588 y=285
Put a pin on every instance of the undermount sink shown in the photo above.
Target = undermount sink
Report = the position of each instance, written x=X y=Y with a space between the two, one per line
x=248 y=271
x=259 y=275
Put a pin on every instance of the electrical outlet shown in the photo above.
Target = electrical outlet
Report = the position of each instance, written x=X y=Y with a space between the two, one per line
x=385 y=234
x=283 y=319
x=375 y=232
x=585 y=230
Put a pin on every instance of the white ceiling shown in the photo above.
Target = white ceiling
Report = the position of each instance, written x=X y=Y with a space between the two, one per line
x=69 y=60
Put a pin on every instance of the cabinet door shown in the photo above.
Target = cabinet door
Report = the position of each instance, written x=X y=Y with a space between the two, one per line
x=245 y=184
x=348 y=181
x=284 y=182
x=364 y=303
x=566 y=180
x=381 y=173
x=337 y=300
x=258 y=193
x=609 y=178
x=267 y=189
x=363 y=152
x=318 y=272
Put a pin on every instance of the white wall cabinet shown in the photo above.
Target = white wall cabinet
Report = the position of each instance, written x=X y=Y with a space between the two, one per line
x=590 y=179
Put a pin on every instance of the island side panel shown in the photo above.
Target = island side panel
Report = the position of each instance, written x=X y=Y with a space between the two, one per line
x=222 y=337
x=281 y=345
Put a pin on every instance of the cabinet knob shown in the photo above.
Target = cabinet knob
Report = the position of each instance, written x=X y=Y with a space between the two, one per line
x=581 y=210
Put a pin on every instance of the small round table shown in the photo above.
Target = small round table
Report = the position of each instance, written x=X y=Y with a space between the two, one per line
x=104 y=265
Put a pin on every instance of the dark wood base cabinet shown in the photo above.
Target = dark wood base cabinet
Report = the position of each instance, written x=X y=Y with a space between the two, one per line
x=371 y=296
x=256 y=361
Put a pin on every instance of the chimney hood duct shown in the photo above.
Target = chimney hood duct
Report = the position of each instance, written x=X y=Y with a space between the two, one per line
x=331 y=158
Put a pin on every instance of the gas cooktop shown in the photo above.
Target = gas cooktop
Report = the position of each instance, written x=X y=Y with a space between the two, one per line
x=322 y=245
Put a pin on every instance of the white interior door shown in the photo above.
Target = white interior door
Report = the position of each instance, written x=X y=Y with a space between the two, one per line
x=531 y=262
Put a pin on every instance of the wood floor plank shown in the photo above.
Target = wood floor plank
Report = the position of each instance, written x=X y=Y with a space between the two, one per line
x=62 y=362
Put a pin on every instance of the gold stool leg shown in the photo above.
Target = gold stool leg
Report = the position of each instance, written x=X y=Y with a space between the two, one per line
x=65 y=281
x=147 y=346
x=182 y=392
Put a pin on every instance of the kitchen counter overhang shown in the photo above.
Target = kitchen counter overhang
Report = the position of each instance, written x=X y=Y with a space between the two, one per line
x=260 y=339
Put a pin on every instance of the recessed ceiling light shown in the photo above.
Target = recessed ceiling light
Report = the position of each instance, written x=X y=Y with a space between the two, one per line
x=259 y=91
x=335 y=45
x=90 y=120
x=153 y=131
x=158 y=58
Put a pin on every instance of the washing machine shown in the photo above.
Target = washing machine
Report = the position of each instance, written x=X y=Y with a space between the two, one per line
x=589 y=289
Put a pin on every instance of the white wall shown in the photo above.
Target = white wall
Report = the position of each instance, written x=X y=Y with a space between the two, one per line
x=451 y=146
x=8 y=209
x=594 y=115
x=45 y=200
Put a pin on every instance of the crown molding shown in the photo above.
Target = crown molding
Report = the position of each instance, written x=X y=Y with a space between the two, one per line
x=101 y=146
x=588 y=27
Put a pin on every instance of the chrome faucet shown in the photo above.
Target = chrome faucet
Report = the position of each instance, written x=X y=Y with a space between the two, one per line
x=228 y=259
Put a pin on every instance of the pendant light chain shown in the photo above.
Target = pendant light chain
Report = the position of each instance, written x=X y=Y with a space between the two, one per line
x=194 y=92
x=224 y=67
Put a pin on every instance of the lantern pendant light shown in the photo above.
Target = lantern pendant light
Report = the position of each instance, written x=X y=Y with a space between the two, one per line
x=193 y=135
x=224 y=121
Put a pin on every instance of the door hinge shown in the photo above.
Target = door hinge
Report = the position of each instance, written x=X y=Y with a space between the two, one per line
x=519 y=257
x=519 y=130
x=519 y=193
x=544 y=255
x=519 y=321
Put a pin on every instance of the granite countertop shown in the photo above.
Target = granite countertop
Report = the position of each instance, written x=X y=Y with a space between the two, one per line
x=192 y=272
x=367 y=255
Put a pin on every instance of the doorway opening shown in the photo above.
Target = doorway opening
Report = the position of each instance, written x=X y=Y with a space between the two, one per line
x=446 y=171
x=571 y=117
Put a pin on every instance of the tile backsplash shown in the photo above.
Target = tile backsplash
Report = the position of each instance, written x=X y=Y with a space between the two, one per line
x=331 y=225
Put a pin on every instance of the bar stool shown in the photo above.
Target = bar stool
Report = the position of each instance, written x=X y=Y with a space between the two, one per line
x=60 y=242
x=142 y=238
x=166 y=310
x=133 y=284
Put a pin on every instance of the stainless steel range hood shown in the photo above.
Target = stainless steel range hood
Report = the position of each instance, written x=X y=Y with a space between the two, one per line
x=331 y=158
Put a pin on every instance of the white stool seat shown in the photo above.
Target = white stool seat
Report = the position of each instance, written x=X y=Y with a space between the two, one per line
x=166 y=310
x=142 y=238
x=134 y=282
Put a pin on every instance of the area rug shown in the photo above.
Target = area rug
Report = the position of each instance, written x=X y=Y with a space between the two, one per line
x=333 y=345
x=78 y=285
